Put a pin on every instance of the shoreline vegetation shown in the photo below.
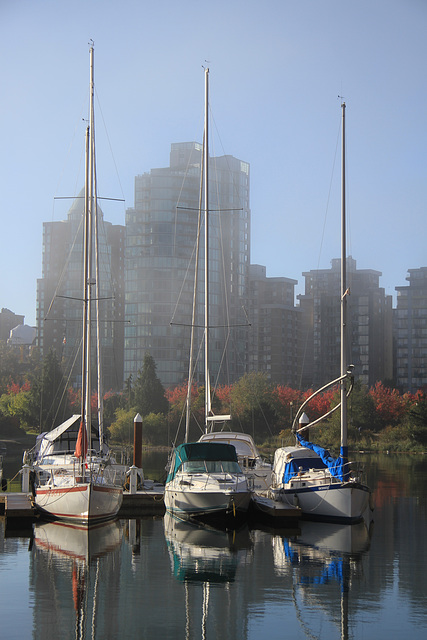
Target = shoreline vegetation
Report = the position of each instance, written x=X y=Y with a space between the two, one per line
x=36 y=392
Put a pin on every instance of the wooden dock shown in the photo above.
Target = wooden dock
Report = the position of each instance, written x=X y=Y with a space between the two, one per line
x=274 y=512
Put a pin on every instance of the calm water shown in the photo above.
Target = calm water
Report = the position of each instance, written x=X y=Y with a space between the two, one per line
x=156 y=578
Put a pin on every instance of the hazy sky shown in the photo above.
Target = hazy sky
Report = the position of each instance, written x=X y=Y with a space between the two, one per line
x=276 y=70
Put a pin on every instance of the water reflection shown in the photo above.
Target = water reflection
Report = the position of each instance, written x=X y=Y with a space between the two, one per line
x=170 y=580
x=201 y=553
x=322 y=557
x=70 y=570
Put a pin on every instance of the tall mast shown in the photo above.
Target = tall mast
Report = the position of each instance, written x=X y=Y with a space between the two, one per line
x=97 y=278
x=193 y=314
x=85 y=280
x=206 y=183
x=89 y=249
x=344 y=293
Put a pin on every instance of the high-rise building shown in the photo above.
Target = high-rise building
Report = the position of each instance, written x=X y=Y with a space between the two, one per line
x=411 y=332
x=274 y=337
x=161 y=235
x=59 y=310
x=369 y=334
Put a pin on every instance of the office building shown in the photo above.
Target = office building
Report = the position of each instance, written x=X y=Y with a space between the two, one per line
x=274 y=337
x=59 y=310
x=161 y=235
x=411 y=332
x=369 y=332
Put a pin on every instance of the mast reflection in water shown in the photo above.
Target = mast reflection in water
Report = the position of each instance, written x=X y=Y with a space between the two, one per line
x=156 y=578
x=72 y=562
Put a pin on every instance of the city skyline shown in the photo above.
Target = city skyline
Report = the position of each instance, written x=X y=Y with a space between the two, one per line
x=276 y=73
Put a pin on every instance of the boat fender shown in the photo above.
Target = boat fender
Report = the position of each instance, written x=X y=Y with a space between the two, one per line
x=371 y=502
x=296 y=500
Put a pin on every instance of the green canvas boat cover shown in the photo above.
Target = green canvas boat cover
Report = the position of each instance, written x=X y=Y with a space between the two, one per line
x=211 y=451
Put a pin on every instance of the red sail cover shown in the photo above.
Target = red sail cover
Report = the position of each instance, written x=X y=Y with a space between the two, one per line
x=81 y=446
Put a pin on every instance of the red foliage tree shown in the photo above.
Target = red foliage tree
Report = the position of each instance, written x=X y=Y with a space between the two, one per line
x=389 y=404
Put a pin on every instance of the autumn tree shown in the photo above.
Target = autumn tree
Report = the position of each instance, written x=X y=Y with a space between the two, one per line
x=177 y=399
x=389 y=405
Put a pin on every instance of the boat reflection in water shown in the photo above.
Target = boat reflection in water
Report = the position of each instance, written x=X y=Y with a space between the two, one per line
x=203 y=557
x=201 y=553
x=324 y=556
x=74 y=560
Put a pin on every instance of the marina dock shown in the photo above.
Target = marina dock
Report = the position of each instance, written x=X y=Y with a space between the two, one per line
x=19 y=508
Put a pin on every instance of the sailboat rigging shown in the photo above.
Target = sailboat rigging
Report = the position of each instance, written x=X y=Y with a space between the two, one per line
x=205 y=480
x=79 y=485
x=306 y=474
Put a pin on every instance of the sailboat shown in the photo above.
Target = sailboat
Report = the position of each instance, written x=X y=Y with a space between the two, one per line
x=79 y=485
x=205 y=479
x=307 y=475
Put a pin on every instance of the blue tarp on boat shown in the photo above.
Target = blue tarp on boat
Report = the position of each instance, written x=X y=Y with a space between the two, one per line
x=335 y=465
x=211 y=451
x=294 y=466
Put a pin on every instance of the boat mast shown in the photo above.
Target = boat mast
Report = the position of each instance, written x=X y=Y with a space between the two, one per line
x=206 y=183
x=89 y=250
x=85 y=297
x=193 y=314
x=98 y=282
x=344 y=294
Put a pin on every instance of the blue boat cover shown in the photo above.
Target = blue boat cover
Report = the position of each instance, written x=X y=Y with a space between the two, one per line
x=213 y=451
x=335 y=465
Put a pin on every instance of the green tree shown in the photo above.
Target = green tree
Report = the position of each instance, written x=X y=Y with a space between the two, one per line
x=9 y=366
x=417 y=418
x=121 y=429
x=251 y=404
x=148 y=392
x=17 y=404
x=49 y=397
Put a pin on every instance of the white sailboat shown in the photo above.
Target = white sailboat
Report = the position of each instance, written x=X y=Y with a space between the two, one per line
x=306 y=475
x=78 y=485
x=205 y=480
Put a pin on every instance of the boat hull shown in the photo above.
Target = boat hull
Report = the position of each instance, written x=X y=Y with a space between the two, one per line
x=84 y=502
x=334 y=502
x=206 y=504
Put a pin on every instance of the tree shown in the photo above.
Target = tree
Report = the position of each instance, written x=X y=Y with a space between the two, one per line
x=148 y=391
x=251 y=404
x=417 y=418
x=177 y=399
x=49 y=395
x=121 y=429
x=389 y=404
x=16 y=404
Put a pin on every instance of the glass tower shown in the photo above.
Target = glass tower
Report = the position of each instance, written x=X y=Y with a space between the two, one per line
x=160 y=262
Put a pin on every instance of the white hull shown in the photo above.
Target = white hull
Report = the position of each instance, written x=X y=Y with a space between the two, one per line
x=335 y=502
x=84 y=502
x=77 y=541
x=204 y=497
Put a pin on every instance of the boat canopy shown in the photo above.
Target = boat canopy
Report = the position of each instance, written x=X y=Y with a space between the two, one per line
x=288 y=461
x=242 y=442
x=335 y=465
x=63 y=439
x=211 y=451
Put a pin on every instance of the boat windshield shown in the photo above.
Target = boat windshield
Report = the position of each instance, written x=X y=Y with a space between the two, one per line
x=211 y=466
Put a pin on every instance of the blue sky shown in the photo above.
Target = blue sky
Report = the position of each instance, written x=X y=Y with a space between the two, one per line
x=276 y=70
